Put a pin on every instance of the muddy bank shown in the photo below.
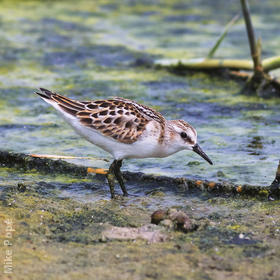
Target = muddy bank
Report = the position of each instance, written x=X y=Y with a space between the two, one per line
x=58 y=236
x=65 y=226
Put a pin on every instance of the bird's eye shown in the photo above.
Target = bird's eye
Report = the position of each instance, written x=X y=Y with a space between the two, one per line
x=184 y=135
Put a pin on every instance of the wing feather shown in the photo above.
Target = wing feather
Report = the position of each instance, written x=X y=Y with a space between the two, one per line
x=114 y=119
x=122 y=119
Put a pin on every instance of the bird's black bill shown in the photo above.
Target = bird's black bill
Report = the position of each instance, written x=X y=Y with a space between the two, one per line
x=198 y=150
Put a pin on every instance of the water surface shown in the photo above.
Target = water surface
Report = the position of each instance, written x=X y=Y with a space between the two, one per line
x=89 y=52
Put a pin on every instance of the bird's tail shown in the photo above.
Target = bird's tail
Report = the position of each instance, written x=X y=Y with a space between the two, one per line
x=45 y=93
x=61 y=102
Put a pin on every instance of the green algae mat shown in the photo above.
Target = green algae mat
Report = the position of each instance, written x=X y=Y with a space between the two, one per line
x=58 y=222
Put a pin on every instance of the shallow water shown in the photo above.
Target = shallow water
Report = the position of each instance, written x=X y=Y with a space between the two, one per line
x=90 y=52
x=95 y=50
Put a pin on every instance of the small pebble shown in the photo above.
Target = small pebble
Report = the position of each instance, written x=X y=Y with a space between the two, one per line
x=158 y=216
x=173 y=219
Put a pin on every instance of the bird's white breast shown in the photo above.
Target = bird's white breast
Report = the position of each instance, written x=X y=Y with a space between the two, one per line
x=146 y=146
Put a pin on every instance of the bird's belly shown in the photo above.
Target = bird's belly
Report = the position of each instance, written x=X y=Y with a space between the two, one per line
x=140 y=149
x=91 y=135
x=119 y=150
x=143 y=148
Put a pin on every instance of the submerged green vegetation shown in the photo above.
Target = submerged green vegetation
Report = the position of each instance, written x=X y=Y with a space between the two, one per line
x=97 y=49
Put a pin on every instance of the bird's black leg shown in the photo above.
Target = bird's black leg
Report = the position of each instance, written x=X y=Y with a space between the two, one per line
x=119 y=176
x=115 y=172
x=111 y=178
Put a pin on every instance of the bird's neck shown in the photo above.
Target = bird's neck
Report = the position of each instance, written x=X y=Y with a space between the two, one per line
x=168 y=146
x=169 y=133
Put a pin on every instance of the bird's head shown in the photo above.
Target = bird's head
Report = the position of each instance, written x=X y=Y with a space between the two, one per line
x=184 y=137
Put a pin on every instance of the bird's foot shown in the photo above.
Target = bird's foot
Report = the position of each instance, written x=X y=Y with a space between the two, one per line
x=111 y=182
